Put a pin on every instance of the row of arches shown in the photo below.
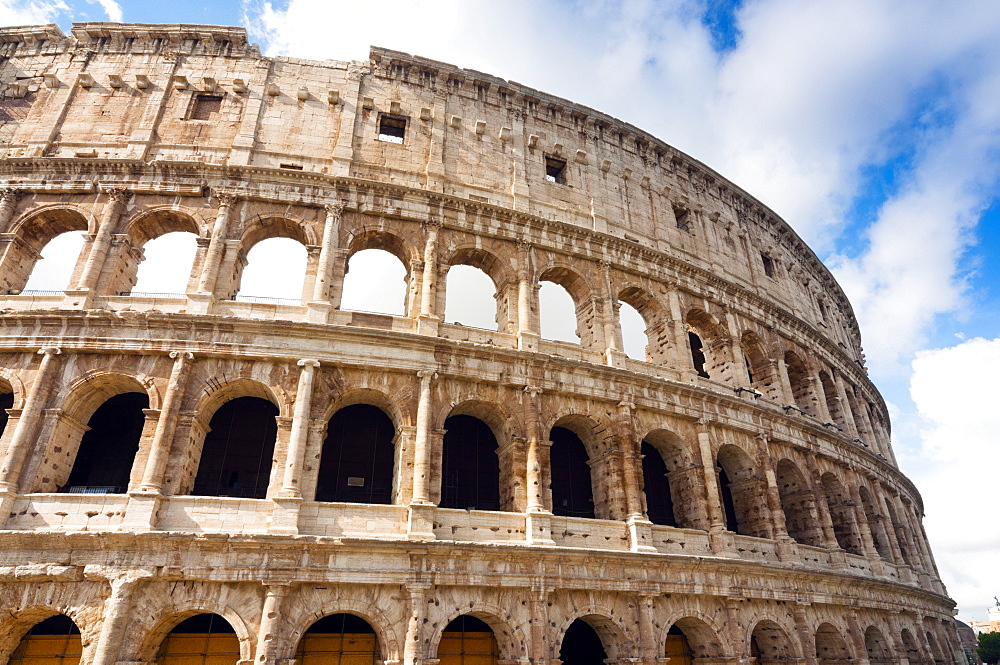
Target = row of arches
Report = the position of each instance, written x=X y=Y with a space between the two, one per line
x=105 y=437
x=205 y=638
x=488 y=285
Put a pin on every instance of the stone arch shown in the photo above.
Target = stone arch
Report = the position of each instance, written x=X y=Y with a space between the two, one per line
x=504 y=296
x=684 y=477
x=31 y=233
x=801 y=383
x=582 y=294
x=709 y=344
x=798 y=501
x=935 y=648
x=701 y=631
x=876 y=524
x=148 y=225
x=656 y=330
x=79 y=400
x=276 y=226
x=879 y=649
x=742 y=492
x=390 y=404
x=374 y=238
x=613 y=635
x=770 y=643
x=831 y=647
x=148 y=647
x=217 y=394
x=762 y=370
x=833 y=405
x=510 y=639
x=470 y=469
x=11 y=383
x=900 y=530
x=566 y=475
x=910 y=649
x=845 y=527
x=20 y=622
x=390 y=644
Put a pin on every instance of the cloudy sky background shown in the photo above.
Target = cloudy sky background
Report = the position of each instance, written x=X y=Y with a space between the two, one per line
x=872 y=127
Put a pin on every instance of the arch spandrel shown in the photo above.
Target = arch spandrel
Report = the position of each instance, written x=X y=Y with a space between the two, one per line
x=704 y=631
x=511 y=639
x=16 y=626
x=306 y=606
x=150 y=633
x=158 y=220
x=618 y=639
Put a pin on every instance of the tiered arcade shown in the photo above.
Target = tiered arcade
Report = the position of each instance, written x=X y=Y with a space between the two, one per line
x=291 y=481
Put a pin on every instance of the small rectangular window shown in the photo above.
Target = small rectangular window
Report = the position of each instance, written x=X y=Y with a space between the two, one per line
x=768 y=265
x=555 y=170
x=391 y=128
x=682 y=215
x=206 y=107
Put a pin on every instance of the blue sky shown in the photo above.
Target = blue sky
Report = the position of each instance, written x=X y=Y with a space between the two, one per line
x=871 y=126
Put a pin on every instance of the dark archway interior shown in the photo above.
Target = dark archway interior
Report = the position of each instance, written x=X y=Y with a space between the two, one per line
x=659 y=504
x=581 y=645
x=204 y=639
x=6 y=402
x=677 y=648
x=572 y=492
x=357 y=459
x=339 y=639
x=468 y=641
x=107 y=451
x=236 y=458
x=470 y=470
x=54 y=641
x=697 y=354
x=728 y=507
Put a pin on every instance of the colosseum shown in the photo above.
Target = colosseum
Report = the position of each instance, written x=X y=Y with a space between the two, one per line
x=211 y=477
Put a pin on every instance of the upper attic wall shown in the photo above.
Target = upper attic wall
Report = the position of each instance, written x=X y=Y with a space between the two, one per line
x=204 y=94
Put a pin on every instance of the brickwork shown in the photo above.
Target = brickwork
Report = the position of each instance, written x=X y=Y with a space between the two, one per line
x=797 y=537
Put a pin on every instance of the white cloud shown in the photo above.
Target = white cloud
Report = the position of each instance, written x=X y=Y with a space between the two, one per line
x=111 y=8
x=30 y=12
x=954 y=390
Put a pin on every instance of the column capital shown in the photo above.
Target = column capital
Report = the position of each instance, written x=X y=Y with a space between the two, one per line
x=334 y=210
x=11 y=194
x=225 y=199
x=308 y=362
x=428 y=374
x=432 y=223
x=49 y=351
x=184 y=355
x=533 y=391
x=115 y=194
x=627 y=404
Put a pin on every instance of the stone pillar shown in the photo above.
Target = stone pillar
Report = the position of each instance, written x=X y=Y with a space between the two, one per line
x=421 y=512
x=264 y=652
x=8 y=202
x=116 y=614
x=295 y=459
x=639 y=527
x=152 y=475
x=216 y=245
x=786 y=548
x=823 y=508
x=807 y=639
x=716 y=516
x=734 y=627
x=413 y=647
x=538 y=527
x=614 y=353
x=429 y=318
x=528 y=333
x=327 y=252
x=27 y=426
x=857 y=637
x=650 y=650
x=539 y=649
x=102 y=240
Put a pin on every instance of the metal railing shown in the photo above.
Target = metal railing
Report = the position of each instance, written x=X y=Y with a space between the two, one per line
x=267 y=300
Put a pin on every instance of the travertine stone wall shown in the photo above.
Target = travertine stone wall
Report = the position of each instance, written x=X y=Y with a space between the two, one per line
x=128 y=132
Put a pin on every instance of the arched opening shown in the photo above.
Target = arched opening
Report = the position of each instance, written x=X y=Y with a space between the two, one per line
x=932 y=644
x=760 y=368
x=356 y=465
x=376 y=281
x=634 y=337
x=204 y=639
x=581 y=645
x=470 y=469
x=339 y=639
x=831 y=648
x=798 y=378
x=875 y=525
x=677 y=648
x=684 y=479
x=107 y=450
x=54 y=641
x=239 y=447
x=6 y=402
x=276 y=268
x=656 y=485
x=832 y=400
x=59 y=257
x=572 y=488
x=470 y=298
x=167 y=262
x=557 y=313
x=697 y=353
x=899 y=529
x=841 y=514
x=467 y=640
x=741 y=493
x=769 y=644
x=879 y=651
x=707 y=343
x=799 y=504
x=910 y=649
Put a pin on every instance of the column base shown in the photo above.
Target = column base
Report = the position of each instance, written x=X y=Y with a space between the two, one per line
x=640 y=534
x=428 y=325
x=420 y=521
x=8 y=495
x=788 y=552
x=527 y=341
x=614 y=358
x=200 y=303
x=538 y=528
x=721 y=542
x=318 y=312
x=141 y=511
x=78 y=298
x=285 y=515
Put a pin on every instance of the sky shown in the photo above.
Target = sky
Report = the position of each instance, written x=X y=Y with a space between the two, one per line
x=871 y=126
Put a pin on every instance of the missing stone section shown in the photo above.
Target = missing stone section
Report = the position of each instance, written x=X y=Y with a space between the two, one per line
x=206 y=107
x=555 y=170
x=391 y=128
x=768 y=265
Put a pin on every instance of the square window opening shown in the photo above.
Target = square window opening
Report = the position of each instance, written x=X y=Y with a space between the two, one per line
x=555 y=170
x=768 y=265
x=206 y=107
x=391 y=129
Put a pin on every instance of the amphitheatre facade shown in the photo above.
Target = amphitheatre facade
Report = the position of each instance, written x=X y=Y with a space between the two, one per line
x=207 y=477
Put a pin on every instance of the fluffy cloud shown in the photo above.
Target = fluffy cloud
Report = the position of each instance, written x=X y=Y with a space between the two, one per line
x=30 y=12
x=954 y=391
x=111 y=8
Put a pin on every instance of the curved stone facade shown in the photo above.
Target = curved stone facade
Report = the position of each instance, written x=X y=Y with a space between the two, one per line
x=788 y=533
